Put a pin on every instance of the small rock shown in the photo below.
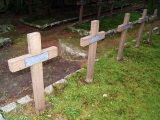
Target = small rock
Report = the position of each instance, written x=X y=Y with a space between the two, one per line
x=60 y=84
x=60 y=81
x=1 y=117
x=24 y=100
x=5 y=42
x=49 y=115
x=9 y=107
x=48 y=90
x=105 y=95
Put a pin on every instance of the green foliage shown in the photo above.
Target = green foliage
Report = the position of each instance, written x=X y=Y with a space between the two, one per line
x=132 y=88
x=108 y=23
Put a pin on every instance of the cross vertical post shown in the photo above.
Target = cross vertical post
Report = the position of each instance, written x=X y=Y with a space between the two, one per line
x=81 y=3
x=123 y=28
x=30 y=7
x=91 y=40
x=152 y=19
x=122 y=5
x=142 y=22
x=112 y=6
x=158 y=32
x=34 y=60
x=99 y=8
x=34 y=47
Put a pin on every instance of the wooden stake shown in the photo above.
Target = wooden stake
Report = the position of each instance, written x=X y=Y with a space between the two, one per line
x=124 y=27
x=142 y=21
x=91 y=40
x=152 y=19
x=34 y=60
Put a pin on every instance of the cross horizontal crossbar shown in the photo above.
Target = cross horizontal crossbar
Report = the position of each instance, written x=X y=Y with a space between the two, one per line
x=124 y=27
x=141 y=20
x=153 y=18
x=91 y=39
x=28 y=60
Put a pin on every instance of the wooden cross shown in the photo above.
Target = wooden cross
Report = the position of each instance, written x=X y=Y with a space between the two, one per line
x=152 y=19
x=142 y=22
x=81 y=3
x=99 y=3
x=123 y=28
x=112 y=6
x=92 y=40
x=34 y=60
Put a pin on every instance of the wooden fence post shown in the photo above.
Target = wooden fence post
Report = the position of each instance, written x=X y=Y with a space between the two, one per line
x=91 y=40
x=123 y=28
x=142 y=22
x=152 y=19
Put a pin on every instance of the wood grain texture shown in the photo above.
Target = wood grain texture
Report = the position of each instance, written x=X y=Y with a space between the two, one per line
x=123 y=38
x=144 y=15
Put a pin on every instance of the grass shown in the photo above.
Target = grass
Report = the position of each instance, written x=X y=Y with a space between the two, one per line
x=105 y=21
x=132 y=89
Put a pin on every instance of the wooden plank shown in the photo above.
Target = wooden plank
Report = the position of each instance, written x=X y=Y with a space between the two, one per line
x=34 y=43
x=92 y=51
x=124 y=27
x=142 y=21
x=90 y=39
x=18 y=63
x=123 y=37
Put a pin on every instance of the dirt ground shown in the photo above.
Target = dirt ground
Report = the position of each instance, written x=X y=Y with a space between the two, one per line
x=17 y=85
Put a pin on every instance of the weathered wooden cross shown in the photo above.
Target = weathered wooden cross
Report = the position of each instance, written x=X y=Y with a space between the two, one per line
x=152 y=19
x=142 y=22
x=92 y=40
x=34 y=60
x=81 y=3
x=123 y=28
x=112 y=2
x=99 y=3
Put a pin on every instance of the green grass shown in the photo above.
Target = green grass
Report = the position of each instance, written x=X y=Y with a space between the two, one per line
x=132 y=89
x=105 y=23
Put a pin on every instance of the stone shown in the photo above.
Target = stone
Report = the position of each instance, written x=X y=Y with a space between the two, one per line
x=4 y=28
x=71 y=52
x=24 y=100
x=48 y=90
x=8 y=108
x=105 y=95
x=1 y=117
x=60 y=84
x=5 y=42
